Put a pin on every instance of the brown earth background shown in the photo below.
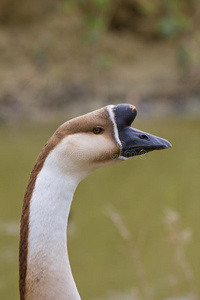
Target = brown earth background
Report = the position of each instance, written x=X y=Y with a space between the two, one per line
x=69 y=57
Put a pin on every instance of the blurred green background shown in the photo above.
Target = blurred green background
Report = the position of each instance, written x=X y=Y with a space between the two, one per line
x=134 y=227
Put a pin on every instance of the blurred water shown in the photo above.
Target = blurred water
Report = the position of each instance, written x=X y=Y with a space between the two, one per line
x=156 y=196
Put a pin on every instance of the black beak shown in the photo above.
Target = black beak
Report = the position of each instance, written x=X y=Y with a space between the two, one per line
x=135 y=142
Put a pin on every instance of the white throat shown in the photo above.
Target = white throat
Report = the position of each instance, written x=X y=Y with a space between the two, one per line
x=49 y=274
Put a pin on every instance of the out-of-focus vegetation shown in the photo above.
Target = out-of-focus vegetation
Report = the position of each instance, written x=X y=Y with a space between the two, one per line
x=167 y=18
x=55 y=55
x=14 y=12
x=155 y=18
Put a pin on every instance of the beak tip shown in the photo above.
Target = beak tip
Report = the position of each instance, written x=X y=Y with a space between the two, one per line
x=167 y=144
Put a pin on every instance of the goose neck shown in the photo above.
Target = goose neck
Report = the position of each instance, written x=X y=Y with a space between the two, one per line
x=48 y=270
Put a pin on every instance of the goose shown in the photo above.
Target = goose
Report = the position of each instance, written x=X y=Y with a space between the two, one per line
x=77 y=148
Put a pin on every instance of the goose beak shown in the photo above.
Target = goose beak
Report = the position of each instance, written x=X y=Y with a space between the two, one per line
x=135 y=142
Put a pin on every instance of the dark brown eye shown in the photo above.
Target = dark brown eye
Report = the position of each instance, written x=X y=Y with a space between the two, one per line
x=97 y=130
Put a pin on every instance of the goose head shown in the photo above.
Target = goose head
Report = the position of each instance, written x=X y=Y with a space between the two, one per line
x=102 y=137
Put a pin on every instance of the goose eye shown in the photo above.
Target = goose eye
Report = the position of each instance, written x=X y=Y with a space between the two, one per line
x=97 y=130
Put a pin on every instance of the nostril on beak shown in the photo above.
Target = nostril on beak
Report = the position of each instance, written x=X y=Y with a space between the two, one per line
x=143 y=137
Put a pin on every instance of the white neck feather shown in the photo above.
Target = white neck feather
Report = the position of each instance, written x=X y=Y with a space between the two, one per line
x=49 y=274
